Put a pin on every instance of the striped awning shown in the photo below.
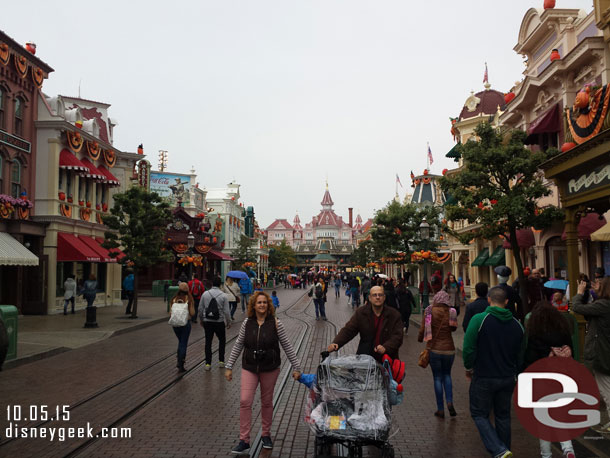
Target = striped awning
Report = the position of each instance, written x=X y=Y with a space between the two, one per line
x=13 y=253
x=69 y=161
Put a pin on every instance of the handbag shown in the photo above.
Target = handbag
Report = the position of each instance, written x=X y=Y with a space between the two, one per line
x=424 y=356
x=180 y=314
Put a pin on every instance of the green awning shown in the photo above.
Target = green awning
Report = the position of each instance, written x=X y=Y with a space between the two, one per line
x=481 y=258
x=323 y=257
x=497 y=258
x=455 y=152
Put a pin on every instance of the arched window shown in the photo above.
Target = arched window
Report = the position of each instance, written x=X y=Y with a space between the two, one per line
x=16 y=178
x=19 y=106
x=2 y=103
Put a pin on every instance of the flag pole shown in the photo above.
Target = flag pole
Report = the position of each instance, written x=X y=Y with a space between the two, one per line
x=427 y=156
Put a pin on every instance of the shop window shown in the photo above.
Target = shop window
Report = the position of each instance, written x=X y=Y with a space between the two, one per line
x=84 y=269
x=68 y=183
x=16 y=178
x=2 y=104
x=19 y=107
x=63 y=270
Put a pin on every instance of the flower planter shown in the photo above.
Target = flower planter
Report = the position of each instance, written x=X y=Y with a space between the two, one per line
x=98 y=206
x=88 y=204
x=81 y=203
x=555 y=55
x=62 y=195
x=70 y=199
x=105 y=207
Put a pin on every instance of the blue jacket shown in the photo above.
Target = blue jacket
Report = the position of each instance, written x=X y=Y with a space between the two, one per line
x=276 y=301
x=245 y=287
x=128 y=283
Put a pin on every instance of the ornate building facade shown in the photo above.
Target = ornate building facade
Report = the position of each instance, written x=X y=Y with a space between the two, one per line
x=327 y=240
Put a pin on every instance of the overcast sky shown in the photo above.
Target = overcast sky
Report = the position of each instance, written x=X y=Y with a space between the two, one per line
x=280 y=94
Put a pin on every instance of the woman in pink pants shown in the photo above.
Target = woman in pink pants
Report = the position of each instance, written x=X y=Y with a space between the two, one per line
x=260 y=337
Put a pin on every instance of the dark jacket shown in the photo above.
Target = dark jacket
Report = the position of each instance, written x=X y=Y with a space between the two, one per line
x=477 y=306
x=363 y=322
x=390 y=296
x=406 y=302
x=539 y=346
x=261 y=346
x=514 y=301
x=494 y=344
x=442 y=340
x=597 y=340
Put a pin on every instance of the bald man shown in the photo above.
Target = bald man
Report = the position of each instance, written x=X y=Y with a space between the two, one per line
x=379 y=326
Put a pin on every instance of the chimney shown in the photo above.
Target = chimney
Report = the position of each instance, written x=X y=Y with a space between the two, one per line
x=351 y=212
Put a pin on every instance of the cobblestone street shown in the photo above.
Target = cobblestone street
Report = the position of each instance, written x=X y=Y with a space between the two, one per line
x=130 y=382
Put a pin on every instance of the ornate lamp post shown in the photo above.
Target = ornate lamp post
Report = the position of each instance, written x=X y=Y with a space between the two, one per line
x=424 y=234
x=190 y=242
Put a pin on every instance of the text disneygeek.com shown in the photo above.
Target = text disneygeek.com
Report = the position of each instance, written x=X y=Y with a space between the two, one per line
x=43 y=413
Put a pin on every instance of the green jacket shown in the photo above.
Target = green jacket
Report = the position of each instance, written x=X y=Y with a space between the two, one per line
x=494 y=347
x=597 y=341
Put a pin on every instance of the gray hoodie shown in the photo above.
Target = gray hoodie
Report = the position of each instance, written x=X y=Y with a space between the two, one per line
x=223 y=305
x=69 y=288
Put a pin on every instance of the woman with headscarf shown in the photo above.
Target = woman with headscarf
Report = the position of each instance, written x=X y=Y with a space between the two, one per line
x=455 y=292
x=440 y=320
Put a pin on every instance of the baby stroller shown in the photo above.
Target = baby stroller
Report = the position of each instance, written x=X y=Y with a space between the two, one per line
x=349 y=405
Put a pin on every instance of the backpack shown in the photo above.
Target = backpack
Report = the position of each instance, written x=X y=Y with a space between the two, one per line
x=319 y=292
x=180 y=314
x=211 y=311
x=196 y=288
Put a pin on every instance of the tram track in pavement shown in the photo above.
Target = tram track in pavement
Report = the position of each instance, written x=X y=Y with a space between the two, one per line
x=133 y=411
x=122 y=384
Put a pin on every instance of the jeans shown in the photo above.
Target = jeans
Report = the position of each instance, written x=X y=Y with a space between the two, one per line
x=90 y=298
x=355 y=295
x=320 y=310
x=183 y=333
x=244 y=301
x=211 y=328
x=71 y=300
x=129 y=295
x=487 y=394
x=337 y=291
x=249 y=382
x=441 y=372
x=233 y=307
x=196 y=305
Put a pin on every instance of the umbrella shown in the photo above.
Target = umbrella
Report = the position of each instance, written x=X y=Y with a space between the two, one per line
x=382 y=275
x=237 y=274
x=556 y=284
x=292 y=275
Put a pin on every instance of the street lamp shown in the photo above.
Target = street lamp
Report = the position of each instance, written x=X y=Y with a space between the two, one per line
x=424 y=234
x=190 y=242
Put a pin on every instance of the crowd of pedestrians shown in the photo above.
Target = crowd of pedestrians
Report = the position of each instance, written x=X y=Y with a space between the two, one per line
x=502 y=337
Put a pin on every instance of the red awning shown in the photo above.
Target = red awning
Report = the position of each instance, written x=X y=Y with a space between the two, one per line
x=92 y=171
x=69 y=161
x=548 y=122
x=71 y=248
x=95 y=246
x=110 y=178
x=587 y=225
x=120 y=255
x=525 y=239
x=218 y=255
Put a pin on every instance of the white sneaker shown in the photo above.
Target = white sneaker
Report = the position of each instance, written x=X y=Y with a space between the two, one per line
x=221 y=364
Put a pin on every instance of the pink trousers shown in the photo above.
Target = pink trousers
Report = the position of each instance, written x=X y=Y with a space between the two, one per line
x=249 y=382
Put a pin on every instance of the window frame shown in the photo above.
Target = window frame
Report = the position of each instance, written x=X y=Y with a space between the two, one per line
x=18 y=116
x=16 y=164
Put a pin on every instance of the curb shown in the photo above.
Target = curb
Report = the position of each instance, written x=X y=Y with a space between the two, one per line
x=56 y=351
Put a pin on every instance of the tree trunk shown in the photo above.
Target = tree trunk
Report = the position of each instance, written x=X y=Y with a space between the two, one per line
x=134 y=308
x=514 y=244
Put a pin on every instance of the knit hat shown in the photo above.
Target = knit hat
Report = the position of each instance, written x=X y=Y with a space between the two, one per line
x=441 y=298
x=184 y=287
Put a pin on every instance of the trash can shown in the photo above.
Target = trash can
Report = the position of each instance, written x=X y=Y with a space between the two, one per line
x=171 y=292
x=8 y=315
x=156 y=289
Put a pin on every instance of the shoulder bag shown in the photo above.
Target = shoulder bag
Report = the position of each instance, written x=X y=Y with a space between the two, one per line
x=424 y=356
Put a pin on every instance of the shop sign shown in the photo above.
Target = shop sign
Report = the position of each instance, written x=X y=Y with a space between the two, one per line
x=15 y=142
x=587 y=181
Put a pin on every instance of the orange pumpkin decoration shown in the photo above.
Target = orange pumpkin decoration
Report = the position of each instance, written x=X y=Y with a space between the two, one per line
x=567 y=146
x=555 y=55
x=425 y=254
x=4 y=54
x=37 y=77
x=109 y=157
x=21 y=65
x=75 y=141
x=582 y=99
x=93 y=148
x=509 y=96
x=426 y=172
x=548 y=4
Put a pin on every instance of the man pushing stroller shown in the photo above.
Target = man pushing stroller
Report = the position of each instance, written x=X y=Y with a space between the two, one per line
x=380 y=328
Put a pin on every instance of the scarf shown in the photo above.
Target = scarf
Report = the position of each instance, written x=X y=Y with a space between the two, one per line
x=428 y=321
